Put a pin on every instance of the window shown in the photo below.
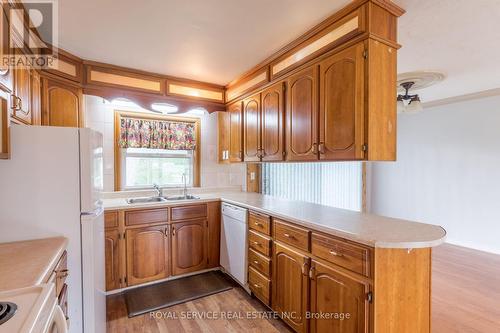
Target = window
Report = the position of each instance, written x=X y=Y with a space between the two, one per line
x=155 y=150
x=144 y=167
x=336 y=184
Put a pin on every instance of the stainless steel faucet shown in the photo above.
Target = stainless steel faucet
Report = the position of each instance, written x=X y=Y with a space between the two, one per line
x=158 y=190
x=184 y=180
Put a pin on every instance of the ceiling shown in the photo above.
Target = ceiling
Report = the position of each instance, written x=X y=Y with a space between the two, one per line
x=217 y=40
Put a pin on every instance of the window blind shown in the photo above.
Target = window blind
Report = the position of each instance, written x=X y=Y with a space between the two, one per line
x=336 y=184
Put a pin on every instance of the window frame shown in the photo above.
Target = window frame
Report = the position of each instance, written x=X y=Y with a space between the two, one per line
x=119 y=114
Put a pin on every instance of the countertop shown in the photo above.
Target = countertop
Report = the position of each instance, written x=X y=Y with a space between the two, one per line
x=372 y=230
x=29 y=263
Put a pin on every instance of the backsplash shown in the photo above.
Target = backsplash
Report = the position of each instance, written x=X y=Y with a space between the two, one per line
x=100 y=117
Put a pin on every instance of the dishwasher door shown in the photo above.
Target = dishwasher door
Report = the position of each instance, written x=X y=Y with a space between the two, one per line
x=233 y=243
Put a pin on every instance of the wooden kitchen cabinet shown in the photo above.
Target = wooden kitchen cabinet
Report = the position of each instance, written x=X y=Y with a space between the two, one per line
x=214 y=228
x=272 y=123
x=36 y=98
x=189 y=246
x=251 y=129
x=61 y=104
x=291 y=286
x=21 y=110
x=235 y=132
x=335 y=292
x=112 y=259
x=302 y=115
x=148 y=253
x=342 y=104
x=223 y=136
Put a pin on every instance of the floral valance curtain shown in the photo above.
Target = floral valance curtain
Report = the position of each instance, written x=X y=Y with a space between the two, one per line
x=157 y=134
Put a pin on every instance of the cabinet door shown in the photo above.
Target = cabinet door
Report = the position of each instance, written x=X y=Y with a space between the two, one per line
x=214 y=226
x=21 y=110
x=147 y=254
x=61 y=104
x=112 y=259
x=251 y=129
x=302 y=115
x=272 y=123
x=36 y=98
x=333 y=292
x=342 y=87
x=290 y=286
x=235 y=130
x=189 y=246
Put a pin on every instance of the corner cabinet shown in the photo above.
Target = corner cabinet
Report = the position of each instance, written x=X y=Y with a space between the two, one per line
x=61 y=103
x=251 y=129
x=263 y=123
x=148 y=253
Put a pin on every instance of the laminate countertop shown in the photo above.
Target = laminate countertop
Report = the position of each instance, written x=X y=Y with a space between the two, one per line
x=372 y=230
x=29 y=263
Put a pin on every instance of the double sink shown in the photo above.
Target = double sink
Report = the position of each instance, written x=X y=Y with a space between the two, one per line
x=132 y=201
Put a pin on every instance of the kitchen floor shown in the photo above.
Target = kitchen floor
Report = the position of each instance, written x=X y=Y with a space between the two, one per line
x=465 y=298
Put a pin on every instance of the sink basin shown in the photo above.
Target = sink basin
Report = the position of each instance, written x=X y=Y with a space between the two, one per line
x=145 y=200
x=183 y=197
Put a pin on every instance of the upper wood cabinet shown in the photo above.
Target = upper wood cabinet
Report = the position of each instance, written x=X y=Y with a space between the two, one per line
x=148 y=253
x=36 y=97
x=334 y=292
x=189 y=246
x=251 y=129
x=235 y=132
x=272 y=126
x=291 y=286
x=342 y=86
x=302 y=115
x=61 y=104
x=21 y=109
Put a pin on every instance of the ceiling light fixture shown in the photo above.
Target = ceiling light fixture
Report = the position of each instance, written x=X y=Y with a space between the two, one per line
x=409 y=103
x=164 y=108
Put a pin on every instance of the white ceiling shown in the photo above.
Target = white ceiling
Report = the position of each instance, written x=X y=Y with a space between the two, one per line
x=457 y=37
x=206 y=40
x=217 y=40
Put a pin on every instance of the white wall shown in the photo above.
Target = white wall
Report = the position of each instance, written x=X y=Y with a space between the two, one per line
x=100 y=117
x=447 y=172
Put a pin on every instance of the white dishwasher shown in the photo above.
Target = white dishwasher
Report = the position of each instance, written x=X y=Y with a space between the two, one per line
x=233 y=243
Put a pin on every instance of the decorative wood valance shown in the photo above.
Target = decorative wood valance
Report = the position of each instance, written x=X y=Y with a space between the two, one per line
x=157 y=134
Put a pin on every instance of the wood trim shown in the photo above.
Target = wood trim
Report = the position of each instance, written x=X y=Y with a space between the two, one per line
x=195 y=91
x=4 y=125
x=247 y=84
x=197 y=152
x=108 y=77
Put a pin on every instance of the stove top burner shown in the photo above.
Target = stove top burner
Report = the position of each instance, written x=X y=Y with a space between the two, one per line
x=7 y=310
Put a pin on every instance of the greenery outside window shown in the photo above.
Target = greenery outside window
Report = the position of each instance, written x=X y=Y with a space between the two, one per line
x=151 y=149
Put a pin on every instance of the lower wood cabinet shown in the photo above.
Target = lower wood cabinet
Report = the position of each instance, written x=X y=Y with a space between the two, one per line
x=189 y=246
x=112 y=259
x=291 y=286
x=148 y=254
x=335 y=293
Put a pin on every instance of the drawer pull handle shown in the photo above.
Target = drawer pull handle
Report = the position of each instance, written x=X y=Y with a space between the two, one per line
x=335 y=253
x=288 y=236
x=257 y=285
x=256 y=262
x=258 y=224
x=256 y=243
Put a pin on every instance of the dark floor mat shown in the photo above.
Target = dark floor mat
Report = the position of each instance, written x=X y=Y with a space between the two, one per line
x=154 y=297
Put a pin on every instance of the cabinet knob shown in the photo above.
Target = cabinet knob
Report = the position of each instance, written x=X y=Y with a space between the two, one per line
x=257 y=285
x=256 y=243
x=288 y=235
x=256 y=262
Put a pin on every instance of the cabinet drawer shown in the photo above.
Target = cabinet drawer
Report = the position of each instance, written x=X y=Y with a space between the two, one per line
x=259 y=262
x=146 y=216
x=61 y=271
x=259 y=285
x=259 y=243
x=111 y=220
x=290 y=234
x=188 y=212
x=259 y=222
x=353 y=257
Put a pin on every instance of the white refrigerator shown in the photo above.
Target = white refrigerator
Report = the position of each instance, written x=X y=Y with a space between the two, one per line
x=51 y=187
